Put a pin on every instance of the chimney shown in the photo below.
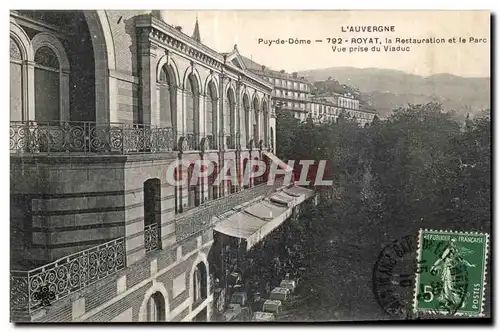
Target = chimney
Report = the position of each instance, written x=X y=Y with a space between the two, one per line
x=294 y=75
x=178 y=28
x=263 y=68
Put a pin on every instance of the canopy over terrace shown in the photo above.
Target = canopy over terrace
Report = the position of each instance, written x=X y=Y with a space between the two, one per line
x=274 y=159
x=256 y=221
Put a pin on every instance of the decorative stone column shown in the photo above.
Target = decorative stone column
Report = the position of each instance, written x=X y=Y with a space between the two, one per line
x=179 y=120
x=201 y=118
x=64 y=95
x=28 y=72
x=150 y=113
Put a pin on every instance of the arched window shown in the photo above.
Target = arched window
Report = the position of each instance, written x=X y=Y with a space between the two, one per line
x=258 y=179
x=47 y=85
x=211 y=115
x=229 y=182
x=266 y=123
x=193 y=188
x=246 y=174
x=192 y=111
x=230 y=127
x=246 y=106
x=17 y=82
x=256 y=121
x=155 y=310
x=167 y=97
x=213 y=189
x=152 y=214
x=199 y=284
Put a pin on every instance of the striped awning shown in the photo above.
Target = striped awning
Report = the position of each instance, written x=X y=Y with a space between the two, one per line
x=254 y=223
x=282 y=198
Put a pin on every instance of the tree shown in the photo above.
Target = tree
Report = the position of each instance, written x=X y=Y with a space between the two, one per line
x=417 y=167
x=286 y=124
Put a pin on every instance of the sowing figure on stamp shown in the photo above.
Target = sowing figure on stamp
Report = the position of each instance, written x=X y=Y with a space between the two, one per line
x=451 y=258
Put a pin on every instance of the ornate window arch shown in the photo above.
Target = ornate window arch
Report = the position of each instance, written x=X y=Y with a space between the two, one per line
x=256 y=120
x=213 y=188
x=152 y=214
x=265 y=109
x=21 y=70
x=194 y=187
x=51 y=78
x=192 y=88
x=246 y=107
x=199 y=280
x=155 y=307
x=230 y=121
x=167 y=96
x=211 y=114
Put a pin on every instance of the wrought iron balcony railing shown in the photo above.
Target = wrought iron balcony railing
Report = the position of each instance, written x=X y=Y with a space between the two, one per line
x=197 y=219
x=35 y=289
x=89 y=138
x=212 y=142
x=151 y=237
x=232 y=140
x=193 y=141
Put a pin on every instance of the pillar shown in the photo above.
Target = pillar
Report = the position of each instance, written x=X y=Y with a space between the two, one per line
x=201 y=117
x=64 y=96
x=150 y=112
x=28 y=72
x=179 y=120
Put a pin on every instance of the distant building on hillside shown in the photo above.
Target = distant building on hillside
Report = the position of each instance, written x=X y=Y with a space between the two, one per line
x=328 y=107
x=296 y=95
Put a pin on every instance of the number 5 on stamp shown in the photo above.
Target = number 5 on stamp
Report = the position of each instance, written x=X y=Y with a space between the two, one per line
x=451 y=272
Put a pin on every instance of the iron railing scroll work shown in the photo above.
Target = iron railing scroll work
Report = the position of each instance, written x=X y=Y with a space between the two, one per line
x=38 y=288
x=85 y=137
x=198 y=219
x=151 y=237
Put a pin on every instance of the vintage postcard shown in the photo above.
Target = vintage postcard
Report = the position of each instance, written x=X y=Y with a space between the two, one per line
x=249 y=166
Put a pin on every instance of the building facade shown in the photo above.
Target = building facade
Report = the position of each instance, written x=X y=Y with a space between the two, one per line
x=294 y=94
x=329 y=108
x=103 y=103
x=290 y=91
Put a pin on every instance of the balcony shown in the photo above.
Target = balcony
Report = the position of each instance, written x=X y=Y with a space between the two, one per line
x=232 y=140
x=212 y=142
x=38 y=288
x=193 y=141
x=200 y=218
x=55 y=138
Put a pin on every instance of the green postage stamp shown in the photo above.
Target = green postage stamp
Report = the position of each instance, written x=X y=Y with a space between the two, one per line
x=451 y=271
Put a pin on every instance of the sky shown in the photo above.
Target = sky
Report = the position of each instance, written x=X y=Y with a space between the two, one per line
x=221 y=30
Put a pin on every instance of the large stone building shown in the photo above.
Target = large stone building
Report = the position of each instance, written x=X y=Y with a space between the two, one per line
x=294 y=94
x=329 y=108
x=103 y=103
x=290 y=91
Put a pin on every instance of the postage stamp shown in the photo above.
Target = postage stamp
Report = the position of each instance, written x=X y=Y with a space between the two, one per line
x=450 y=278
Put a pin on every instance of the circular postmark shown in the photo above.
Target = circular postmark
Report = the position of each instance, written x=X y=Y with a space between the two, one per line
x=407 y=288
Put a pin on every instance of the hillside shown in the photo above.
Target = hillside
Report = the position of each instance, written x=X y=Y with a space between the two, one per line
x=390 y=89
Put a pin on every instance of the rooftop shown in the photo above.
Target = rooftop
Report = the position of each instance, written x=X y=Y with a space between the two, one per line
x=263 y=70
